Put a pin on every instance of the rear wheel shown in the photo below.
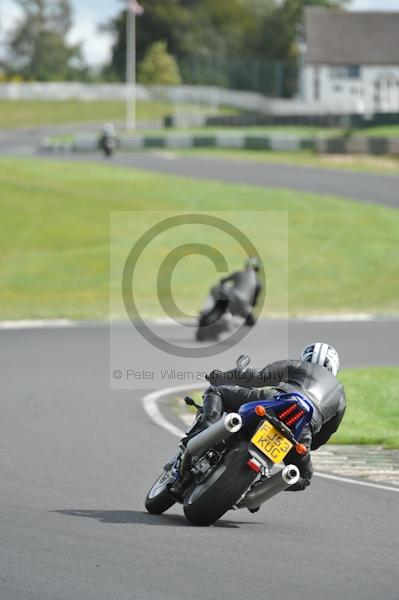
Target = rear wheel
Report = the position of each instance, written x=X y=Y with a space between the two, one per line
x=159 y=498
x=214 y=497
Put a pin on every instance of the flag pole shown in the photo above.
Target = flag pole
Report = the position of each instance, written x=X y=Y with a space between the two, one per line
x=130 y=69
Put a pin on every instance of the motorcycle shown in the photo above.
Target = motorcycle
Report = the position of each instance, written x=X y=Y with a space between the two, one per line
x=108 y=141
x=235 y=463
x=108 y=145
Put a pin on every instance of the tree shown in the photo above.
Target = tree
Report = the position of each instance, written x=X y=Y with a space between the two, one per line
x=38 y=46
x=220 y=29
x=189 y=27
x=167 y=20
x=244 y=44
x=159 y=67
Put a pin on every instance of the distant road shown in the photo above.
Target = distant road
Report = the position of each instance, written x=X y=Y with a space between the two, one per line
x=372 y=188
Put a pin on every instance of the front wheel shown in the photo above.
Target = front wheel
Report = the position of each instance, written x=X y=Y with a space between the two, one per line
x=159 y=498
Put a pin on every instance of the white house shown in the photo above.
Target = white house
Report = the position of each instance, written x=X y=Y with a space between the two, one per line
x=351 y=61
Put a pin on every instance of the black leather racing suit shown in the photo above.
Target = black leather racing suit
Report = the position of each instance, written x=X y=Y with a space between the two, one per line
x=243 y=293
x=231 y=389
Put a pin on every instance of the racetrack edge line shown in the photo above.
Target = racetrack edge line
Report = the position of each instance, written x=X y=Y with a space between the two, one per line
x=152 y=410
x=13 y=324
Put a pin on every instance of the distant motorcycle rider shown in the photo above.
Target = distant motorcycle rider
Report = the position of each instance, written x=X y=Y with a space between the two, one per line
x=314 y=375
x=108 y=140
x=244 y=290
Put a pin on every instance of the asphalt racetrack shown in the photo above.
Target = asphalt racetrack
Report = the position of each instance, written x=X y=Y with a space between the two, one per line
x=365 y=187
x=77 y=459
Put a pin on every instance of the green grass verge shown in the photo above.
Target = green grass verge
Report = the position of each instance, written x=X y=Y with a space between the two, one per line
x=379 y=131
x=362 y=164
x=30 y=113
x=372 y=414
x=54 y=241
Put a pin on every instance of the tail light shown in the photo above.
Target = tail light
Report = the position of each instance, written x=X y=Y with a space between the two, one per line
x=291 y=415
x=282 y=416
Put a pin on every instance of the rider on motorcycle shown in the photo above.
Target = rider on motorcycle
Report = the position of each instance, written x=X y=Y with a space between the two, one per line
x=244 y=292
x=314 y=375
x=108 y=139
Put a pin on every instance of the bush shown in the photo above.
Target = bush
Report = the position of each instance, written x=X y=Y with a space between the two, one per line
x=159 y=67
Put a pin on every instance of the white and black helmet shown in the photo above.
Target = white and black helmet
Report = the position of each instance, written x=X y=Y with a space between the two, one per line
x=322 y=354
x=252 y=263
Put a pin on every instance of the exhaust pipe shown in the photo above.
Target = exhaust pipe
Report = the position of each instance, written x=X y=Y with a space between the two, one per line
x=215 y=434
x=290 y=474
x=269 y=488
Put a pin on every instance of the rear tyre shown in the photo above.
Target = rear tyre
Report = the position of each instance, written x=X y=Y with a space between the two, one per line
x=215 y=496
x=159 y=499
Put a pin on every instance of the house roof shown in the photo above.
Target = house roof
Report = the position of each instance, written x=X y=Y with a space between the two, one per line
x=337 y=37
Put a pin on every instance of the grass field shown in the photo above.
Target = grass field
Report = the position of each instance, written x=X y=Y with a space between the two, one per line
x=372 y=414
x=25 y=113
x=379 y=131
x=54 y=241
x=346 y=162
x=30 y=113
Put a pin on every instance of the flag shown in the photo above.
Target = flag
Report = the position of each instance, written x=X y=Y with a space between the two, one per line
x=135 y=7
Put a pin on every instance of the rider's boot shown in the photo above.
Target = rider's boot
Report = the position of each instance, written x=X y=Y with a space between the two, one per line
x=211 y=412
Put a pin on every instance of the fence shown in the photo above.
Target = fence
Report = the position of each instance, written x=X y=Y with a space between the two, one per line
x=271 y=78
x=351 y=121
x=267 y=110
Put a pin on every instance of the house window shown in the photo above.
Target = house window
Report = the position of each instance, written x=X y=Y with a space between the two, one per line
x=345 y=72
x=353 y=72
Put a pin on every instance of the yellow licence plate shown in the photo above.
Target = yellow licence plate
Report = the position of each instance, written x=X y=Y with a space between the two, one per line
x=271 y=442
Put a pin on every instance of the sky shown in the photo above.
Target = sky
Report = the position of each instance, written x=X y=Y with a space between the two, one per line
x=89 y=13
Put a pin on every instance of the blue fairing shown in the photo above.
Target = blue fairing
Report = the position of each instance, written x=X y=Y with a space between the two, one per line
x=279 y=403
